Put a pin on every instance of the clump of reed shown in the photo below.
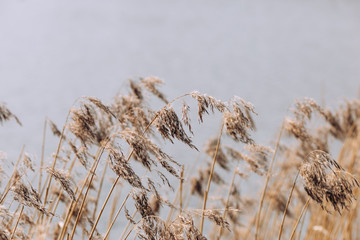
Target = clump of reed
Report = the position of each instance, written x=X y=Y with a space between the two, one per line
x=112 y=176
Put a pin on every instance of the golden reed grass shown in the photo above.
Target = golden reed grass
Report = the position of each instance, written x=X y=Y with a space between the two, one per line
x=111 y=177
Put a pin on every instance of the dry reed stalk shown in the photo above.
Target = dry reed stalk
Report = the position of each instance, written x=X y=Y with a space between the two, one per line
x=38 y=214
x=55 y=206
x=99 y=190
x=10 y=222
x=287 y=205
x=116 y=215
x=113 y=207
x=209 y=180
x=352 y=217
x=74 y=203
x=301 y=226
x=171 y=212
x=54 y=161
x=92 y=173
x=51 y=209
x=10 y=182
x=344 y=226
x=135 y=225
x=130 y=221
x=103 y=206
x=17 y=222
x=343 y=150
x=250 y=225
x=42 y=153
x=227 y=201
x=337 y=229
x=267 y=181
x=354 y=158
x=67 y=219
x=316 y=217
x=181 y=189
x=271 y=222
x=299 y=218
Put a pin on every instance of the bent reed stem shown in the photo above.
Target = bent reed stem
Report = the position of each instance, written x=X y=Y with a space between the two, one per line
x=227 y=202
x=299 y=218
x=287 y=205
x=210 y=178
x=267 y=182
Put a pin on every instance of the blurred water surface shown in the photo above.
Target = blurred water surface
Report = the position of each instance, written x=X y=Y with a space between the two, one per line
x=267 y=52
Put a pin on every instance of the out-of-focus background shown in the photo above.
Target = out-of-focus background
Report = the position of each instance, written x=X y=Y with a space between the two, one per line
x=267 y=52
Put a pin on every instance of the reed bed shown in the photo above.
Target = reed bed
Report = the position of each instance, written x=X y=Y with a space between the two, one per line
x=112 y=175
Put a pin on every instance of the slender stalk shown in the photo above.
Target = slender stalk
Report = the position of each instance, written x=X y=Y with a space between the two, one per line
x=54 y=162
x=267 y=182
x=128 y=234
x=92 y=174
x=57 y=153
x=298 y=220
x=67 y=219
x=209 y=181
x=55 y=206
x=181 y=189
x=42 y=154
x=346 y=142
x=10 y=222
x=103 y=206
x=113 y=206
x=301 y=226
x=74 y=203
x=287 y=205
x=128 y=224
x=17 y=222
x=271 y=222
x=100 y=188
x=168 y=219
x=117 y=214
x=10 y=182
x=56 y=202
x=227 y=201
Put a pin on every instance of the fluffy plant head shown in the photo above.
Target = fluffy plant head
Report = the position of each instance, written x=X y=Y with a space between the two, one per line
x=6 y=114
x=325 y=181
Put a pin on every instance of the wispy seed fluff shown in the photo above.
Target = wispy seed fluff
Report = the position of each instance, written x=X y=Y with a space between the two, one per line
x=150 y=84
x=326 y=181
x=205 y=102
x=170 y=126
x=62 y=177
x=239 y=121
x=6 y=114
x=122 y=168
x=28 y=196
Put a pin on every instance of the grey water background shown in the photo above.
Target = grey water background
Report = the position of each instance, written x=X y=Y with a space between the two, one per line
x=267 y=52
